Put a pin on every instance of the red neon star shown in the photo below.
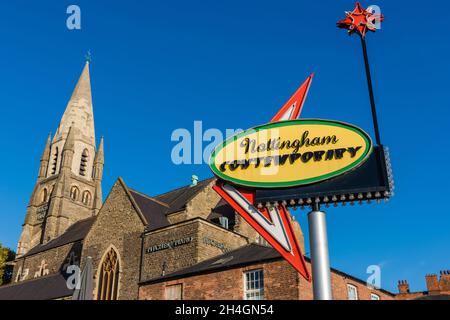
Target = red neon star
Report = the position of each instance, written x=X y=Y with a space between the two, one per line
x=360 y=20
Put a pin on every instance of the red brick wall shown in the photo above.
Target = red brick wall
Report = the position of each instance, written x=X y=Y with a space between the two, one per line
x=281 y=281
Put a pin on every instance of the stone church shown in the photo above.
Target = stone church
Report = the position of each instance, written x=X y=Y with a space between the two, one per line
x=182 y=244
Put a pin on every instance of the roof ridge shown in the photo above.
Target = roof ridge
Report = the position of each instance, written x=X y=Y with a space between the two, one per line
x=203 y=183
x=179 y=188
x=149 y=197
x=12 y=284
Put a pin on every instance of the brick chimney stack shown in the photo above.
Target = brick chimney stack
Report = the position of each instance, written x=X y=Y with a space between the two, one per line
x=403 y=286
x=444 y=281
x=432 y=283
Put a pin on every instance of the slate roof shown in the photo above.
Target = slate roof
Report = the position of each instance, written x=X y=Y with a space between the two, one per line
x=75 y=232
x=250 y=254
x=243 y=256
x=178 y=198
x=153 y=210
x=45 y=288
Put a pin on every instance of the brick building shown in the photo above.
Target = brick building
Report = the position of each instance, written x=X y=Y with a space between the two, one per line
x=186 y=243
x=437 y=288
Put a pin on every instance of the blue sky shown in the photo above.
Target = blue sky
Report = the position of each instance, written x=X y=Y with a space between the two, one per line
x=161 y=65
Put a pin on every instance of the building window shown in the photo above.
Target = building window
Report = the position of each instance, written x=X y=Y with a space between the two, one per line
x=352 y=292
x=174 y=292
x=223 y=222
x=83 y=163
x=44 y=195
x=55 y=160
x=261 y=241
x=109 y=276
x=374 y=296
x=86 y=199
x=74 y=192
x=254 y=285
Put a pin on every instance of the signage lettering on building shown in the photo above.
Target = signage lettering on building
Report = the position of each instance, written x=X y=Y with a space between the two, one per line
x=214 y=243
x=290 y=153
x=170 y=244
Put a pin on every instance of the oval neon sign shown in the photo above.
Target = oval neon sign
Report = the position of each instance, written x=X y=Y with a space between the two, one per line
x=290 y=153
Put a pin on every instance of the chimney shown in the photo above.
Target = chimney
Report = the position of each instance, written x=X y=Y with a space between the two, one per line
x=432 y=283
x=444 y=281
x=403 y=286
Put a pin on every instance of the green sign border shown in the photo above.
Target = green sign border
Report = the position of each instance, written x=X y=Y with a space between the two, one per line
x=294 y=183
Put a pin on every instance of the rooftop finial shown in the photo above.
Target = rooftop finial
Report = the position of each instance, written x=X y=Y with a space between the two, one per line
x=194 y=180
x=88 y=56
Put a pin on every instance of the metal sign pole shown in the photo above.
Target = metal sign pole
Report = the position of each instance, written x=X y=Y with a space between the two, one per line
x=320 y=261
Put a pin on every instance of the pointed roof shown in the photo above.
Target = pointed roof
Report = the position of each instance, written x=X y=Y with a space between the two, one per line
x=70 y=140
x=46 y=154
x=79 y=112
x=83 y=88
x=100 y=155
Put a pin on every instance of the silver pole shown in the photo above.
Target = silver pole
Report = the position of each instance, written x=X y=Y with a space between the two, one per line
x=320 y=261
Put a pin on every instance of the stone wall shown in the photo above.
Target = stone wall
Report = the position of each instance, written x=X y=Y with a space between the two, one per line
x=48 y=262
x=119 y=226
x=182 y=245
x=203 y=202
x=175 y=257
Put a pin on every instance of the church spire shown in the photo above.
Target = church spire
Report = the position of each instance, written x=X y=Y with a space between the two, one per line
x=79 y=113
x=83 y=88
x=68 y=187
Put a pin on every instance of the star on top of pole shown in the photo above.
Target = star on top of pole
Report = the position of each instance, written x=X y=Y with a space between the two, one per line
x=360 y=20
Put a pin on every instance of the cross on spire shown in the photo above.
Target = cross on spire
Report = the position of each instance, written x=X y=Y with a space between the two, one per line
x=88 y=56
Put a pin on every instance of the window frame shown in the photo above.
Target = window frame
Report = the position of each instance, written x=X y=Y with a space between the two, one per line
x=372 y=295
x=74 y=193
x=86 y=197
x=349 y=285
x=175 y=285
x=251 y=294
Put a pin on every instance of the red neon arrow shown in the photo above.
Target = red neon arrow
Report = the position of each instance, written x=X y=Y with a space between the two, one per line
x=277 y=231
x=293 y=107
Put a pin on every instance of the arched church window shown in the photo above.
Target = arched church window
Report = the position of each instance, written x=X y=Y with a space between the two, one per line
x=83 y=163
x=55 y=160
x=109 y=276
x=44 y=195
x=74 y=192
x=86 y=198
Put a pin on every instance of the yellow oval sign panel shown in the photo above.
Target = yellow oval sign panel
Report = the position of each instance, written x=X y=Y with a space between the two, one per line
x=290 y=153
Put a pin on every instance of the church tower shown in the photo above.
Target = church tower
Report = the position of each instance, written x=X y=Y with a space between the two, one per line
x=68 y=187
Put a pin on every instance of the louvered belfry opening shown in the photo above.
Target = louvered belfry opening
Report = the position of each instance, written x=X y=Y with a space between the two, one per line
x=55 y=160
x=83 y=163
